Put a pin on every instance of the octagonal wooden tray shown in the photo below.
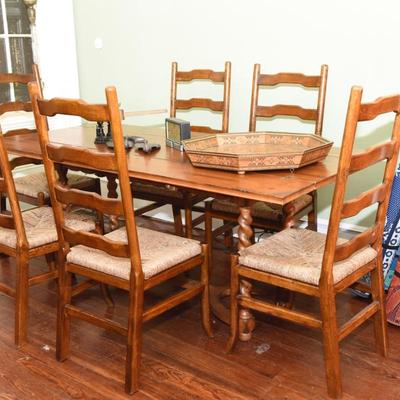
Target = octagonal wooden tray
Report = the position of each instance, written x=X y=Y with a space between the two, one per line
x=259 y=151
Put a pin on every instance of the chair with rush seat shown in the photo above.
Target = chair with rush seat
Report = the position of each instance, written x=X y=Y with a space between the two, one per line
x=131 y=258
x=322 y=265
x=32 y=188
x=25 y=235
x=181 y=199
x=269 y=216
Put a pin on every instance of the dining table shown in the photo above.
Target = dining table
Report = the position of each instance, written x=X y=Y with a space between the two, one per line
x=172 y=168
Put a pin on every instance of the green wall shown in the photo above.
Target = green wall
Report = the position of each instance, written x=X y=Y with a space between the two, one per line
x=357 y=39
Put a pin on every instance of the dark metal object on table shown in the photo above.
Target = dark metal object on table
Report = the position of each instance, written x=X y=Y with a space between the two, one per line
x=100 y=136
x=131 y=141
x=147 y=147
x=109 y=134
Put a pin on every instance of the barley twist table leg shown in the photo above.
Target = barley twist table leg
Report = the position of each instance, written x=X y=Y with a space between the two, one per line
x=245 y=230
x=246 y=318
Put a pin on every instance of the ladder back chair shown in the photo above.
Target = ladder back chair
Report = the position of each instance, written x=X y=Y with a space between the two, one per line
x=181 y=199
x=322 y=265
x=25 y=235
x=269 y=216
x=32 y=188
x=131 y=258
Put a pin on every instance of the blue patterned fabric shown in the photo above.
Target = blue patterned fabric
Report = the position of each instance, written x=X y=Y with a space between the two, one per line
x=391 y=235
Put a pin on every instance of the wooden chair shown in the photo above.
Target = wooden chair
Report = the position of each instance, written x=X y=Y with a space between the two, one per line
x=322 y=265
x=131 y=258
x=25 y=235
x=268 y=216
x=181 y=199
x=32 y=188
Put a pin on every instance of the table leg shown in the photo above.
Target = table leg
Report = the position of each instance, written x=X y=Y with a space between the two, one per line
x=246 y=318
x=112 y=194
x=62 y=172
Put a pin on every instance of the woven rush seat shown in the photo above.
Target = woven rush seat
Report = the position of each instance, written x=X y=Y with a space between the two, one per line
x=261 y=209
x=297 y=254
x=159 y=251
x=40 y=226
x=32 y=184
x=160 y=190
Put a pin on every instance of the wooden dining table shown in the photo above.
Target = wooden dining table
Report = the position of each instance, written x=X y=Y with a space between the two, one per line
x=171 y=167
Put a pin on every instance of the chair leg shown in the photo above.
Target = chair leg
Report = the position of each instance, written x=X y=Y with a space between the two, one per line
x=205 y=297
x=188 y=222
x=63 y=320
x=284 y=297
x=177 y=220
x=105 y=291
x=134 y=345
x=228 y=236
x=234 y=311
x=331 y=343
x=21 y=301
x=312 y=215
x=97 y=187
x=208 y=235
x=3 y=203
x=380 y=324
x=51 y=261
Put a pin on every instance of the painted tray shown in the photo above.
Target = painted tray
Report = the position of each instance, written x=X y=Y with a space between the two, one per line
x=259 y=151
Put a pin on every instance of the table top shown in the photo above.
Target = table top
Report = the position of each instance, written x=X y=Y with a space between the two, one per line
x=170 y=166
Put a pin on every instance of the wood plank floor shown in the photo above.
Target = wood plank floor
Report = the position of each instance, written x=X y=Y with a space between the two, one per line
x=282 y=361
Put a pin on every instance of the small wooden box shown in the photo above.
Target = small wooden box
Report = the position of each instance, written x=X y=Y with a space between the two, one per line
x=176 y=130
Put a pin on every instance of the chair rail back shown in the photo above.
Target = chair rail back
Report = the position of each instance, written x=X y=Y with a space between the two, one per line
x=115 y=162
x=221 y=106
x=7 y=188
x=350 y=163
x=22 y=79
x=309 y=81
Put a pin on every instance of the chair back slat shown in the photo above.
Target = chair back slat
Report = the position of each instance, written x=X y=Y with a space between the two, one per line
x=383 y=105
x=187 y=76
x=371 y=156
x=353 y=207
x=7 y=221
x=360 y=241
x=93 y=240
x=7 y=188
x=289 y=78
x=349 y=163
x=317 y=82
x=16 y=132
x=15 y=106
x=199 y=103
x=114 y=162
x=307 y=114
x=221 y=106
x=89 y=158
x=79 y=108
x=88 y=200
x=17 y=78
x=18 y=161
x=21 y=79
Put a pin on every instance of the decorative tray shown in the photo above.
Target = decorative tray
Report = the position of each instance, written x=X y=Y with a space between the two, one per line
x=259 y=151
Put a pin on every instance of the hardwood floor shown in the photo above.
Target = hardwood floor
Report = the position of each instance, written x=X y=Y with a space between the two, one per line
x=282 y=361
